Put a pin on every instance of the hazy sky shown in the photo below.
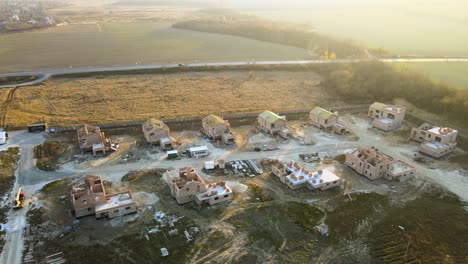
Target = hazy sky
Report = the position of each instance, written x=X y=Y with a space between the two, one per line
x=425 y=4
x=301 y=3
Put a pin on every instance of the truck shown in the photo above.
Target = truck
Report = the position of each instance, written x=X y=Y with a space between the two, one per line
x=18 y=200
x=37 y=127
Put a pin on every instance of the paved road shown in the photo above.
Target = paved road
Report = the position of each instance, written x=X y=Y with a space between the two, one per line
x=44 y=75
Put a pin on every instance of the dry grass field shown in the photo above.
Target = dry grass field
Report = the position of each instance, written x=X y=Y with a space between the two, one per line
x=133 y=98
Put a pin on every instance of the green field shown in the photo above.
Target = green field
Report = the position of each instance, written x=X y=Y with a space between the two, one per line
x=115 y=44
x=453 y=73
x=408 y=28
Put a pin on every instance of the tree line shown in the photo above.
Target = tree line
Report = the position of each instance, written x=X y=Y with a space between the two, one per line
x=376 y=81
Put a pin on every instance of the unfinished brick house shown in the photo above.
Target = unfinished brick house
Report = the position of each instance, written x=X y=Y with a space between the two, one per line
x=386 y=117
x=327 y=120
x=90 y=138
x=116 y=205
x=273 y=124
x=215 y=193
x=89 y=197
x=400 y=171
x=187 y=186
x=372 y=164
x=218 y=129
x=157 y=133
x=296 y=177
x=435 y=141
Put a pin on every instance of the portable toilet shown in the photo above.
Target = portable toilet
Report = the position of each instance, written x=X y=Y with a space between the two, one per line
x=209 y=165
x=172 y=154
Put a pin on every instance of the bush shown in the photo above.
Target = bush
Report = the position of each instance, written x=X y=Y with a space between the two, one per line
x=376 y=81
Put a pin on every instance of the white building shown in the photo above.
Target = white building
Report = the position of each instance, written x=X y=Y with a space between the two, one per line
x=198 y=152
x=209 y=165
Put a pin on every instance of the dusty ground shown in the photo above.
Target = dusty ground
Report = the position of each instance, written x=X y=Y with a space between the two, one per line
x=137 y=98
x=364 y=225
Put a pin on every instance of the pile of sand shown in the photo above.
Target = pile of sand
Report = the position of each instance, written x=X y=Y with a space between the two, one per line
x=143 y=198
x=237 y=187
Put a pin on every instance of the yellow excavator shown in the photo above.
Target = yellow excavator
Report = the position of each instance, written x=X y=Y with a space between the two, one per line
x=326 y=55
x=18 y=201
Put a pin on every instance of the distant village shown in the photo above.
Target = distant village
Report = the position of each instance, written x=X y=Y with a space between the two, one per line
x=18 y=15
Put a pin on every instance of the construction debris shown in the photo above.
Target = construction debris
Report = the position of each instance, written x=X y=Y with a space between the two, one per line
x=55 y=258
x=159 y=216
x=164 y=252
x=269 y=161
x=310 y=158
x=173 y=232
x=188 y=236
x=323 y=229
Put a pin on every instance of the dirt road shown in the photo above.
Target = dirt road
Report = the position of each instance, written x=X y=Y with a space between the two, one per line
x=32 y=180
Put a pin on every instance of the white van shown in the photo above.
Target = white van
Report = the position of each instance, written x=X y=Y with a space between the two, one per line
x=3 y=137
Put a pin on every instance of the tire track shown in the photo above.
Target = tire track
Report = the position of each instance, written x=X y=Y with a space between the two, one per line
x=6 y=104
